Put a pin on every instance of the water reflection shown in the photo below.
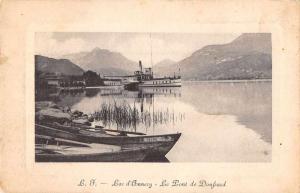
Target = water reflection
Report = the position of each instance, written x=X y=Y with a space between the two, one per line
x=132 y=110
x=250 y=102
x=218 y=121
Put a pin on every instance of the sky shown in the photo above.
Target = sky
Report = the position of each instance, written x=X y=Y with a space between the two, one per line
x=134 y=46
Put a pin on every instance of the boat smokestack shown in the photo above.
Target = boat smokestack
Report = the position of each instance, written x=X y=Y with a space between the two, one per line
x=141 y=66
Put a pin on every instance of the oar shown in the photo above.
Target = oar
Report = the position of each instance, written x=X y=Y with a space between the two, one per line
x=126 y=132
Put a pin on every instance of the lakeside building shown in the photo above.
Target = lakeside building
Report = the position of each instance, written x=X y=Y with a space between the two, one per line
x=56 y=80
x=52 y=80
x=114 y=81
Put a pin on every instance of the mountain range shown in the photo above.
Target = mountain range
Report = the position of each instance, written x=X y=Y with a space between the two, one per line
x=103 y=61
x=64 y=66
x=247 y=57
x=165 y=63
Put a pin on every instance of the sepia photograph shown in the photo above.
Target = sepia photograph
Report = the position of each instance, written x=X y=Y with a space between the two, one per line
x=153 y=97
x=148 y=96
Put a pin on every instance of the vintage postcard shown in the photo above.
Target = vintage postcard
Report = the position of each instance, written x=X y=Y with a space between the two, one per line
x=142 y=96
x=149 y=96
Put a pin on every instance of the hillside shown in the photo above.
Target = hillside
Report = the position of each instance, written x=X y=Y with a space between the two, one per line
x=52 y=65
x=246 y=57
x=104 y=62
x=164 y=63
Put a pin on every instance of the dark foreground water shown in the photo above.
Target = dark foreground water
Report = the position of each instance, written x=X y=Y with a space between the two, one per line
x=219 y=121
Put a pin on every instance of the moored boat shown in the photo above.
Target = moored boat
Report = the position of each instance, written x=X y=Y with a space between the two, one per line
x=60 y=150
x=162 y=82
x=160 y=144
x=146 y=78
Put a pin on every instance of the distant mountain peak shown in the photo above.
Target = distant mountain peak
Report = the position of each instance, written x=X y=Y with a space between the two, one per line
x=249 y=56
x=97 y=50
x=103 y=61
x=251 y=36
x=165 y=62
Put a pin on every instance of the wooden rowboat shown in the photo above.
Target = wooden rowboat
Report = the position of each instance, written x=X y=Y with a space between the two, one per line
x=160 y=145
x=59 y=150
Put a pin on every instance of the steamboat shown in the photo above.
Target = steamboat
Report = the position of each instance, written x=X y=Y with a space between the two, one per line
x=145 y=78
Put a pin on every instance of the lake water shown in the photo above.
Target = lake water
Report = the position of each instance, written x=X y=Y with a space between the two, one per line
x=219 y=121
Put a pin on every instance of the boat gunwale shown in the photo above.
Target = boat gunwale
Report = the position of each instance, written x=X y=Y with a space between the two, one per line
x=143 y=136
x=114 y=136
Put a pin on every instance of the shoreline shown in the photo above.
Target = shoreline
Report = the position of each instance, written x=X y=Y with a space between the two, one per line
x=229 y=81
x=91 y=87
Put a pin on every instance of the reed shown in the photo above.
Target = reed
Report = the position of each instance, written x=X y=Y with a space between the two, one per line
x=126 y=116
